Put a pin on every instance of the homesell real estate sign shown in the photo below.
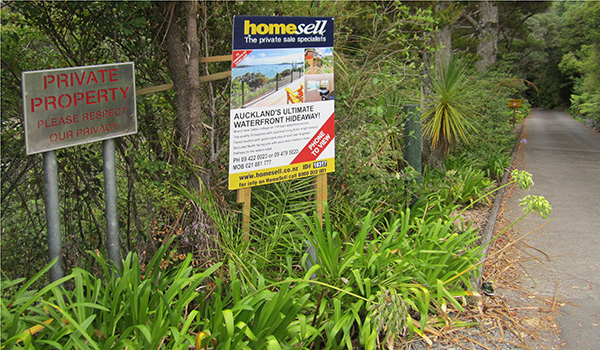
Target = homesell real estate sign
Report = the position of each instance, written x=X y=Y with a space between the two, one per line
x=282 y=124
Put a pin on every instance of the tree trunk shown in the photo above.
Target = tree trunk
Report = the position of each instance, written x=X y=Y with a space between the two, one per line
x=488 y=35
x=183 y=51
x=429 y=155
x=443 y=37
x=194 y=111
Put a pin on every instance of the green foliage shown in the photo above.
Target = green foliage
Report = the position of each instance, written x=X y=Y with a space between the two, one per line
x=460 y=185
x=560 y=55
x=423 y=264
x=370 y=161
x=390 y=260
x=490 y=150
x=585 y=101
x=369 y=96
x=587 y=107
x=415 y=257
x=378 y=275
x=580 y=35
x=263 y=319
x=271 y=247
x=23 y=219
x=138 y=306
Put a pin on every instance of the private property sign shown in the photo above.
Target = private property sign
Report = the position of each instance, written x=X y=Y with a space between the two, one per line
x=282 y=124
x=72 y=106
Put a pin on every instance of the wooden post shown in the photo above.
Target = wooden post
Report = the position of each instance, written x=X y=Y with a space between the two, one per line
x=321 y=195
x=244 y=195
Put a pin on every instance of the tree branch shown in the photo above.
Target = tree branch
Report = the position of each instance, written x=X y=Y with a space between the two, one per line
x=472 y=21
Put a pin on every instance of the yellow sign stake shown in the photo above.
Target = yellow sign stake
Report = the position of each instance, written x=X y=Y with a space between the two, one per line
x=244 y=195
x=321 y=195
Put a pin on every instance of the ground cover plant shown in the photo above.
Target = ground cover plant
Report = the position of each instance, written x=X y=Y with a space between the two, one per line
x=376 y=276
x=139 y=307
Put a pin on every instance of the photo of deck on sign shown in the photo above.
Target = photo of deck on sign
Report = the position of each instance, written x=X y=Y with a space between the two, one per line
x=318 y=70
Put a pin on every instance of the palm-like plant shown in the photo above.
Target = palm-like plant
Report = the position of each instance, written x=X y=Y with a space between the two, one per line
x=447 y=117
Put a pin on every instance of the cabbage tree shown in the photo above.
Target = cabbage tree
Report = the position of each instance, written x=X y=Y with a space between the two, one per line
x=447 y=115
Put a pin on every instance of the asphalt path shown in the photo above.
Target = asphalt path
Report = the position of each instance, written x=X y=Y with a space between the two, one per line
x=564 y=158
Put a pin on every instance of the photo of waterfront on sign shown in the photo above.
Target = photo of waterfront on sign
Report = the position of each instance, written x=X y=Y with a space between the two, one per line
x=263 y=73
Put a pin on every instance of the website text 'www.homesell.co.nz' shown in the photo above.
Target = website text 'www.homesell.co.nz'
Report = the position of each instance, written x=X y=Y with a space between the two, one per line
x=258 y=174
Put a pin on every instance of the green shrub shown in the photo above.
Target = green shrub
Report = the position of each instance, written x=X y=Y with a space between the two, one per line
x=152 y=308
x=461 y=185
x=424 y=265
x=268 y=318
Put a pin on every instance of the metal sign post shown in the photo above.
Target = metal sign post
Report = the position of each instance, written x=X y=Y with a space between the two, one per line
x=412 y=138
x=110 y=199
x=53 y=214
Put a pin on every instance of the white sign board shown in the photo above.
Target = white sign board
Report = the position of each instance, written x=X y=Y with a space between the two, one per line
x=282 y=123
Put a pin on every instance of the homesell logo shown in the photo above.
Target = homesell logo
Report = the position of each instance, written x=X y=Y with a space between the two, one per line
x=281 y=28
x=258 y=32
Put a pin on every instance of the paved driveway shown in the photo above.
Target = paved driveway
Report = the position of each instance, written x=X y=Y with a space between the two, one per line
x=564 y=158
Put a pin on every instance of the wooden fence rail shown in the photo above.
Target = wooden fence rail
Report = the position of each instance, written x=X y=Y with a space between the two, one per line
x=203 y=79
